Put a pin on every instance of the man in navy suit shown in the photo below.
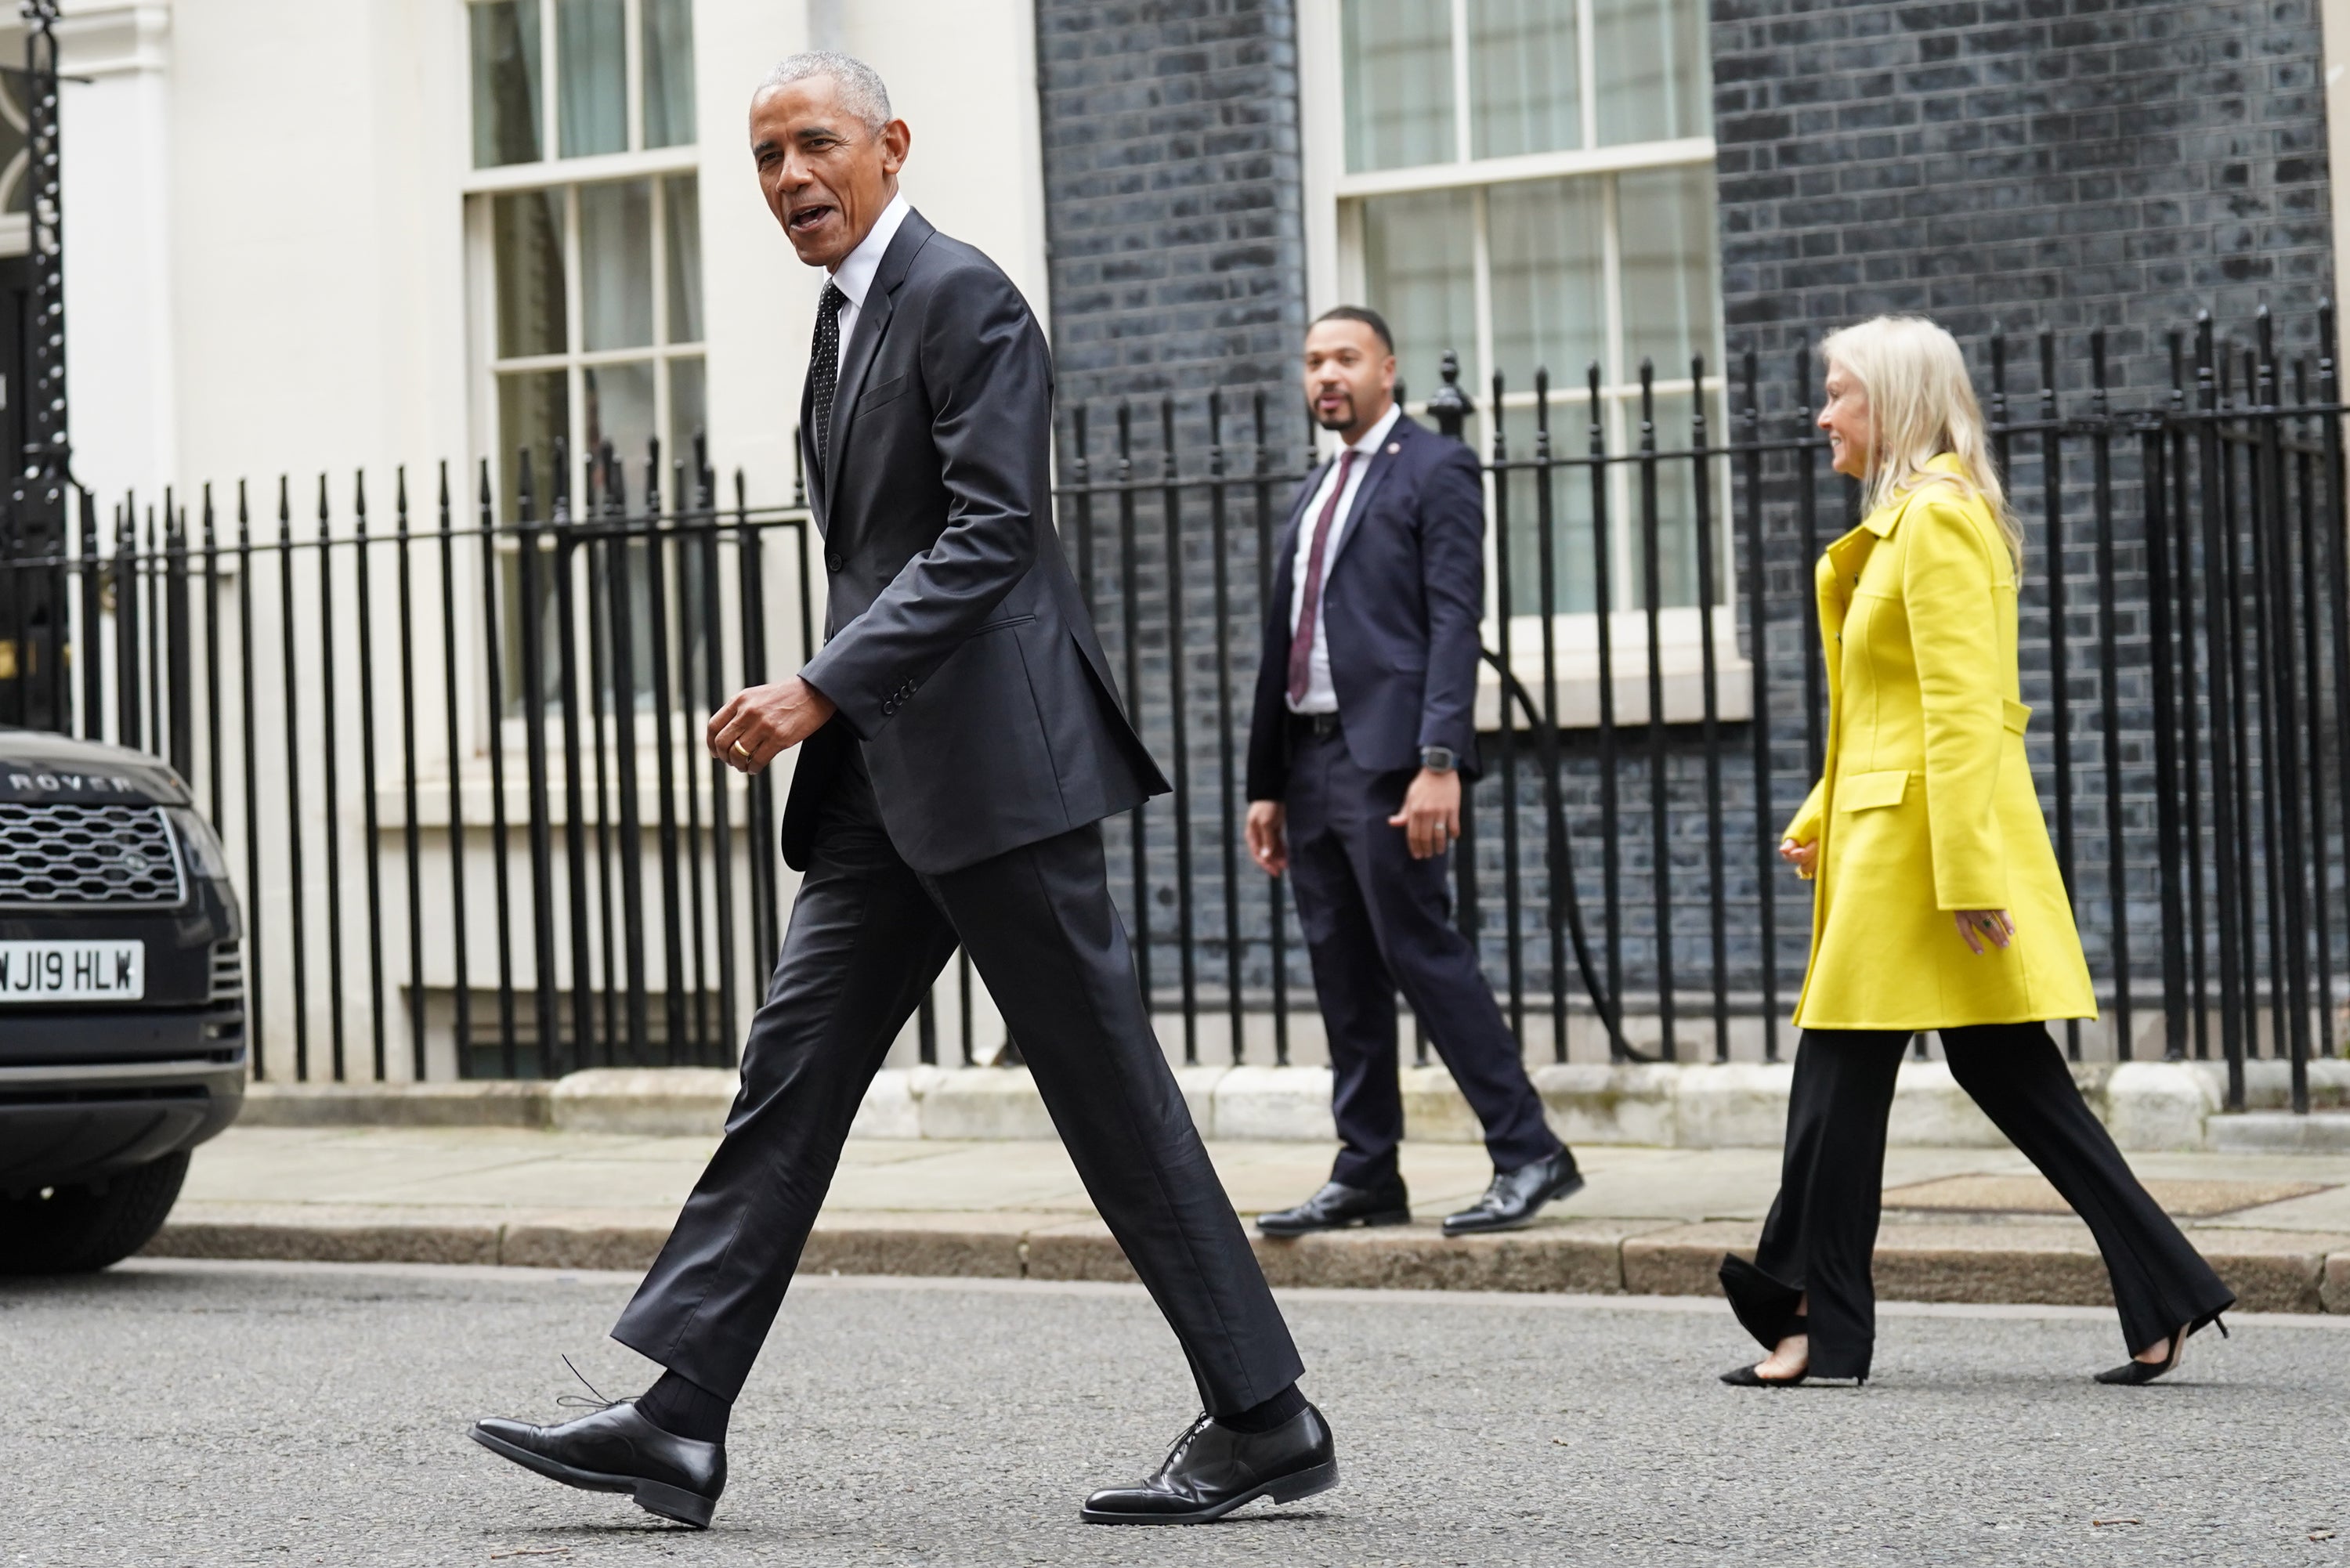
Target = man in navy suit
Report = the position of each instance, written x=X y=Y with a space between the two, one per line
x=1366 y=705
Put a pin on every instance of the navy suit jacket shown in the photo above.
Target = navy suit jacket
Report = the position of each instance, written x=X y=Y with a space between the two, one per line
x=958 y=647
x=1400 y=606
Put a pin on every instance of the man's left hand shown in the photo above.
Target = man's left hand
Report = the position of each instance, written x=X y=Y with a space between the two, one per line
x=1431 y=817
x=762 y=722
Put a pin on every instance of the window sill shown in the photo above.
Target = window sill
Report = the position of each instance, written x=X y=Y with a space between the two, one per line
x=1680 y=663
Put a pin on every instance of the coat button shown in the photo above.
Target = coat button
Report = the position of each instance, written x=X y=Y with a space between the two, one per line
x=832 y=561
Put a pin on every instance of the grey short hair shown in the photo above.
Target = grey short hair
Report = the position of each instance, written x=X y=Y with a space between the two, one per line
x=861 y=92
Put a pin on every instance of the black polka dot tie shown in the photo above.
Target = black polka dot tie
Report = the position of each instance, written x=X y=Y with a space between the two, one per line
x=824 y=364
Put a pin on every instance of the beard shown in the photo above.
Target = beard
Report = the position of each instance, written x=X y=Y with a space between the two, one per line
x=1338 y=421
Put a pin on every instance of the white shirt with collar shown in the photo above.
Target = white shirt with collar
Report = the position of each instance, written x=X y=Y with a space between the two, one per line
x=854 y=277
x=1321 y=696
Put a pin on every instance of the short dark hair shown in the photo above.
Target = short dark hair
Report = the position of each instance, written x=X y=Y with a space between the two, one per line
x=1364 y=314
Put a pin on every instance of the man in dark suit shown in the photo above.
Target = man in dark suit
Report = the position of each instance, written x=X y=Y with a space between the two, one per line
x=1366 y=719
x=961 y=740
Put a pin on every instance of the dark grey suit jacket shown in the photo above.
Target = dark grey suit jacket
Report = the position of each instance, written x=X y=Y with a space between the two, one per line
x=958 y=647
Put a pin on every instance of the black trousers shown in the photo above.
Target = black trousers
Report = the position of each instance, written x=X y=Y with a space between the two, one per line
x=1822 y=1229
x=868 y=937
x=1377 y=920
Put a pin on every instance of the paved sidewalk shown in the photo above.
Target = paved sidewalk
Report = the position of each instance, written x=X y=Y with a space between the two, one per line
x=1960 y=1224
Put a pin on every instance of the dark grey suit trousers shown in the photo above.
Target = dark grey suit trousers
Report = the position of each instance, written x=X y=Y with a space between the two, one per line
x=868 y=937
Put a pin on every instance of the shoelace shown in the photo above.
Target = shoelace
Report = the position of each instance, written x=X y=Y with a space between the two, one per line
x=1190 y=1435
x=573 y=1402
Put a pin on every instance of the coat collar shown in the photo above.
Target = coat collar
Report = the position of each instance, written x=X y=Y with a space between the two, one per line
x=1840 y=568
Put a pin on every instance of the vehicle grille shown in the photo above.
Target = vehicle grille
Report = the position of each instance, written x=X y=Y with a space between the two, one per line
x=228 y=973
x=68 y=856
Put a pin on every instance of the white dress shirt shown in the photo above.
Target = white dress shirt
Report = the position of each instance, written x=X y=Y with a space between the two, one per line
x=1321 y=696
x=854 y=275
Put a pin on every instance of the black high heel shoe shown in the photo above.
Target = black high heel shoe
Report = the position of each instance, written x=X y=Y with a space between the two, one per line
x=2133 y=1372
x=1748 y=1377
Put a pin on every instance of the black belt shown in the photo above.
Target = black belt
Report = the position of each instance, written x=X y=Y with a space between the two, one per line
x=1312 y=726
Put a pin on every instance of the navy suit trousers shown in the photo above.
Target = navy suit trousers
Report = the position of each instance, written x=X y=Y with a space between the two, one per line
x=1377 y=921
x=868 y=937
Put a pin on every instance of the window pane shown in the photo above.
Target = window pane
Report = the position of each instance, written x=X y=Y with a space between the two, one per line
x=1548 y=279
x=1418 y=262
x=616 y=265
x=591 y=103
x=1655 y=75
x=668 y=47
x=620 y=411
x=1570 y=521
x=1398 y=66
x=526 y=233
x=1524 y=82
x=689 y=408
x=1665 y=219
x=1676 y=514
x=506 y=117
x=534 y=413
x=682 y=192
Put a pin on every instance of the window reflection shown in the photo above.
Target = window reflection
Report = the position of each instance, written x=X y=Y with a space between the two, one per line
x=506 y=109
x=592 y=99
x=668 y=49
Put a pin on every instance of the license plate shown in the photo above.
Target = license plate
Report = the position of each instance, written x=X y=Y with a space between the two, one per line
x=72 y=972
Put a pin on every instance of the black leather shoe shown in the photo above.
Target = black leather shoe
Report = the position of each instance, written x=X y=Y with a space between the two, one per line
x=618 y=1450
x=1517 y=1195
x=1338 y=1206
x=1213 y=1469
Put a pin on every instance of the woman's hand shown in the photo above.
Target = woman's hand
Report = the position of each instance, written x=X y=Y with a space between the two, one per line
x=1976 y=924
x=1803 y=857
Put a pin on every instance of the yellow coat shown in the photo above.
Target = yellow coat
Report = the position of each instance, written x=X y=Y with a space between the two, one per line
x=1927 y=803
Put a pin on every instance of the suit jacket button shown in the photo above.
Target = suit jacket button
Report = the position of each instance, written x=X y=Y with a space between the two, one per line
x=832 y=561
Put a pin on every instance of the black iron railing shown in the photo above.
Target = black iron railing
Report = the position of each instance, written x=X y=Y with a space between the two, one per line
x=457 y=758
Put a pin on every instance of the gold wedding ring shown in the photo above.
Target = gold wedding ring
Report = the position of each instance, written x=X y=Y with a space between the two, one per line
x=740 y=750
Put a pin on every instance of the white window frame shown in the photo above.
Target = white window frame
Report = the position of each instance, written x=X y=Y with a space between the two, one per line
x=1334 y=275
x=565 y=176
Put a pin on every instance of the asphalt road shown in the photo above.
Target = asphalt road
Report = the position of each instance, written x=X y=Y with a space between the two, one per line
x=174 y=1413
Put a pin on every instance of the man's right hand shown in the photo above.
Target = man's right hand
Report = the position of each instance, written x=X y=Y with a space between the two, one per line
x=1268 y=839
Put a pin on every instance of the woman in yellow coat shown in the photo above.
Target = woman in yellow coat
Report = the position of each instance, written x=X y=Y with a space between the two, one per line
x=1937 y=904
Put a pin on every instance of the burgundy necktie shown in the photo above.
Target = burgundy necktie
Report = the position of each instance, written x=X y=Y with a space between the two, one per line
x=1301 y=641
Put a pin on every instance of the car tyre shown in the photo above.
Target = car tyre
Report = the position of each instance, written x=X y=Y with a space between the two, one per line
x=79 y=1229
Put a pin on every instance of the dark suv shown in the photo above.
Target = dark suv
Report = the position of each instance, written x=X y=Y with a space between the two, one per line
x=122 y=999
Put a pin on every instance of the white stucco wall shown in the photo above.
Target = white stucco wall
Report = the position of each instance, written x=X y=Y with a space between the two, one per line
x=268 y=274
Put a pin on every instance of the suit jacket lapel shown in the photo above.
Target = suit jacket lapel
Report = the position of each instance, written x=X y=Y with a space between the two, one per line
x=1382 y=464
x=812 y=474
x=872 y=321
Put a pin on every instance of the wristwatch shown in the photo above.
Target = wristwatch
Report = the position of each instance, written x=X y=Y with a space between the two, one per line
x=1438 y=759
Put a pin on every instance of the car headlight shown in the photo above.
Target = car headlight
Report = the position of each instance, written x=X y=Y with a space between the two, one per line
x=198 y=843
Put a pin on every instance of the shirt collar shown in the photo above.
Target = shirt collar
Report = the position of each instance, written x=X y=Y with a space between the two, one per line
x=855 y=278
x=1376 y=437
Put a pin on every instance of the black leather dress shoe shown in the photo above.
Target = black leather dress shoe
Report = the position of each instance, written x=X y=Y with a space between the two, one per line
x=1213 y=1469
x=618 y=1450
x=1517 y=1196
x=1338 y=1206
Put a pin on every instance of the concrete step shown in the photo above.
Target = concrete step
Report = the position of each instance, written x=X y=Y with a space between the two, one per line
x=2150 y=1105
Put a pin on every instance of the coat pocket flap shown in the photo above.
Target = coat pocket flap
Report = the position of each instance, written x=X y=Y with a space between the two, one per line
x=877 y=395
x=1867 y=792
x=2014 y=715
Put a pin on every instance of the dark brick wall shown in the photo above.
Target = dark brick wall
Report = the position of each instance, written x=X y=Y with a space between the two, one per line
x=2011 y=164
x=1172 y=192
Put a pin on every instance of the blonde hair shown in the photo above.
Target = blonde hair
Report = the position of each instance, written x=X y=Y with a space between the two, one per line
x=1921 y=405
